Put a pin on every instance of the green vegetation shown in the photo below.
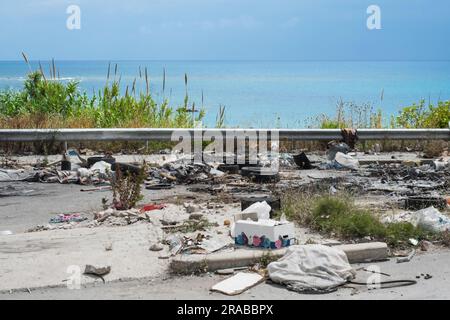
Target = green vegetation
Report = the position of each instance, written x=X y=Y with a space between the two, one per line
x=127 y=188
x=49 y=103
x=337 y=215
x=421 y=116
x=351 y=115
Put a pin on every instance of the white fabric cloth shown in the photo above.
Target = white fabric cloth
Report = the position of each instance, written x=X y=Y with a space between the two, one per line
x=312 y=268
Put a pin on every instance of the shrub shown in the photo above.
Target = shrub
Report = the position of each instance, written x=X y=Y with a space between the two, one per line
x=422 y=116
x=127 y=188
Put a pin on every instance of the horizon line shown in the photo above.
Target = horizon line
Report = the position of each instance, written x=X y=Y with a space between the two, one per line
x=227 y=60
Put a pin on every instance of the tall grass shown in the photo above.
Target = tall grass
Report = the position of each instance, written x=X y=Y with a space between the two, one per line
x=352 y=115
x=46 y=102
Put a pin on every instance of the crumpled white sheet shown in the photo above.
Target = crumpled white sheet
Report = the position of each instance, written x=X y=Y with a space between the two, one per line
x=312 y=269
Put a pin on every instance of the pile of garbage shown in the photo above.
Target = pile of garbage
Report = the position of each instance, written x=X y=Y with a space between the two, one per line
x=85 y=173
x=199 y=244
x=180 y=172
x=430 y=219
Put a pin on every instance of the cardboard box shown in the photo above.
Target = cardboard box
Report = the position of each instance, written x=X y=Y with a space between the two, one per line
x=264 y=234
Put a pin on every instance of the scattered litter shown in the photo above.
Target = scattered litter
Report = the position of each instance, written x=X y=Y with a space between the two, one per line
x=225 y=272
x=431 y=219
x=105 y=188
x=312 y=269
x=156 y=247
x=6 y=233
x=373 y=271
x=302 y=161
x=408 y=258
x=334 y=148
x=238 y=283
x=65 y=218
x=114 y=217
x=152 y=207
x=273 y=202
x=414 y=242
x=421 y=202
x=425 y=276
x=200 y=244
x=347 y=161
x=212 y=245
x=98 y=272
x=159 y=186
x=262 y=209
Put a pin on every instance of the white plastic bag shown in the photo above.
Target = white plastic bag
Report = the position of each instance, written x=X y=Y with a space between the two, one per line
x=347 y=161
x=431 y=219
x=261 y=208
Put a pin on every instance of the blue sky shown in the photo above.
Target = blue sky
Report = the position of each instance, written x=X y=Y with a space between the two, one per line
x=225 y=30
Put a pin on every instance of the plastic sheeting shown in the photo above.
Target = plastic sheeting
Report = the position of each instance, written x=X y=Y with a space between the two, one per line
x=312 y=269
x=431 y=219
x=15 y=175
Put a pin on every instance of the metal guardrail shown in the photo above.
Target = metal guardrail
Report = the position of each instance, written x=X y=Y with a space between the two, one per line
x=64 y=135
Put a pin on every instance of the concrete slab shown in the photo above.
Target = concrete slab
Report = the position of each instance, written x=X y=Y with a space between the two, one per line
x=46 y=259
x=187 y=264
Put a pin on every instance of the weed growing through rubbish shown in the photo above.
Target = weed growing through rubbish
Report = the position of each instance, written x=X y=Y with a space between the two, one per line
x=189 y=226
x=266 y=259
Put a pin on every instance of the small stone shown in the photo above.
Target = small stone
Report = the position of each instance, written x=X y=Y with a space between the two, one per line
x=156 y=247
x=425 y=245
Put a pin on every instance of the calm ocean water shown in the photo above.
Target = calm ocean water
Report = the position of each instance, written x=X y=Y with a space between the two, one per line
x=264 y=94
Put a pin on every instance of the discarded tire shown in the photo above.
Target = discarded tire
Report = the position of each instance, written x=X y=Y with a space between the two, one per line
x=93 y=160
x=126 y=168
x=66 y=165
x=161 y=186
x=274 y=203
x=229 y=168
x=419 y=203
x=247 y=163
x=260 y=175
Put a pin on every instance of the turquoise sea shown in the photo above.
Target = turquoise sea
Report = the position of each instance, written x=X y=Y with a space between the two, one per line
x=263 y=93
